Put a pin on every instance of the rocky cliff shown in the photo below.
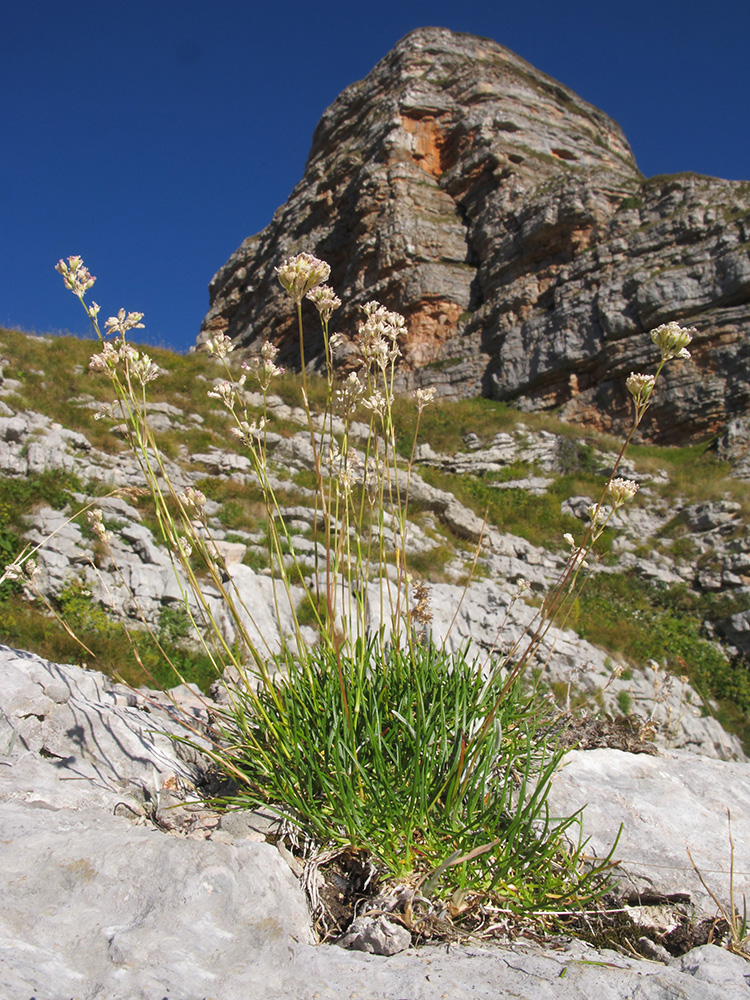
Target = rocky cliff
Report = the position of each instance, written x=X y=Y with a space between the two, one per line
x=507 y=220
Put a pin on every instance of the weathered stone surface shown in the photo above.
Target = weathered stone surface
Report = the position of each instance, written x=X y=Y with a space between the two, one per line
x=667 y=804
x=102 y=905
x=376 y=935
x=507 y=220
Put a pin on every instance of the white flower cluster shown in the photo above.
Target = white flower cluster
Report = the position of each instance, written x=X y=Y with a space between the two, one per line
x=344 y=483
x=263 y=367
x=76 y=276
x=350 y=393
x=227 y=391
x=377 y=335
x=301 y=273
x=621 y=490
x=597 y=514
x=325 y=300
x=94 y=517
x=672 y=340
x=219 y=345
x=424 y=397
x=184 y=547
x=377 y=402
x=20 y=569
x=577 y=554
x=640 y=387
x=122 y=322
x=248 y=432
x=136 y=364
x=194 y=500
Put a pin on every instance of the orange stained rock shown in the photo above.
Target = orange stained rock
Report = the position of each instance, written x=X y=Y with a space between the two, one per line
x=429 y=143
x=430 y=323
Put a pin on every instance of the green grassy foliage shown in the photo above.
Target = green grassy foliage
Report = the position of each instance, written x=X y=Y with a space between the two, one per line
x=132 y=656
x=641 y=621
x=535 y=518
x=407 y=769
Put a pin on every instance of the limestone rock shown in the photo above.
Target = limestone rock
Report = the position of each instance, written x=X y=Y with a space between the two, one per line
x=376 y=935
x=667 y=804
x=507 y=220
x=96 y=904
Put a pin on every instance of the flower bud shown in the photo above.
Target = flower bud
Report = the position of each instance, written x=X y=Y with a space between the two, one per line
x=301 y=273
x=672 y=340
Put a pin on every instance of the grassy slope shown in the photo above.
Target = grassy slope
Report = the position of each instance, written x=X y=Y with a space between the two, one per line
x=618 y=612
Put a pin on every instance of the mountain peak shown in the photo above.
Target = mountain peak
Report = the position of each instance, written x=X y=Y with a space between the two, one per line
x=506 y=218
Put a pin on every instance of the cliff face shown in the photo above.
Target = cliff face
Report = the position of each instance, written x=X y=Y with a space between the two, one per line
x=507 y=220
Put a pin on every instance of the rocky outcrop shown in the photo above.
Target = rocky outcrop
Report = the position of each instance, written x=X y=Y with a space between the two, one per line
x=136 y=581
x=118 y=882
x=507 y=220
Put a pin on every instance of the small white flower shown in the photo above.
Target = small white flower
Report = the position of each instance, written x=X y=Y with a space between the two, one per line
x=225 y=391
x=106 y=361
x=219 y=345
x=377 y=335
x=325 y=300
x=621 y=490
x=335 y=341
x=75 y=275
x=596 y=513
x=377 y=402
x=107 y=411
x=122 y=322
x=640 y=387
x=301 y=273
x=350 y=393
x=248 y=433
x=94 y=517
x=144 y=369
x=345 y=483
x=577 y=555
x=424 y=397
x=263 y=368
x=193 y=498
x=13 y=571
x=672 y=340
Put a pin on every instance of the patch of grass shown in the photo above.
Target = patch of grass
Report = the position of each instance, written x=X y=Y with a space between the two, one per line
x=131 y=656
x=625 y=615
x=407 y=773
x=445 y=423
x=538 y=519
x=242 y=504
x=431 y=565
x=514 y=470
x=19 y=495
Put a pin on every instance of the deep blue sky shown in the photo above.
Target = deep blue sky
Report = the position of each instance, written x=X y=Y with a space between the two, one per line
x=152 y=137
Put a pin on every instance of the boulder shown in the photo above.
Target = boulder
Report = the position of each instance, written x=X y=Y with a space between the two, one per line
x=663 y=807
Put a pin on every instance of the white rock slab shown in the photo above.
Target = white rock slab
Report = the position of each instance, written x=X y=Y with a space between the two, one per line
x=94 y=906
x=666 y=805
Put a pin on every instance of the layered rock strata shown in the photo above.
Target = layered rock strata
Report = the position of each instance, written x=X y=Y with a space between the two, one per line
x=506 y=218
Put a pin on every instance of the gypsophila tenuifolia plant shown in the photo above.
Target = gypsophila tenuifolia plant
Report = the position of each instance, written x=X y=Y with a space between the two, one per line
x=369 y=737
